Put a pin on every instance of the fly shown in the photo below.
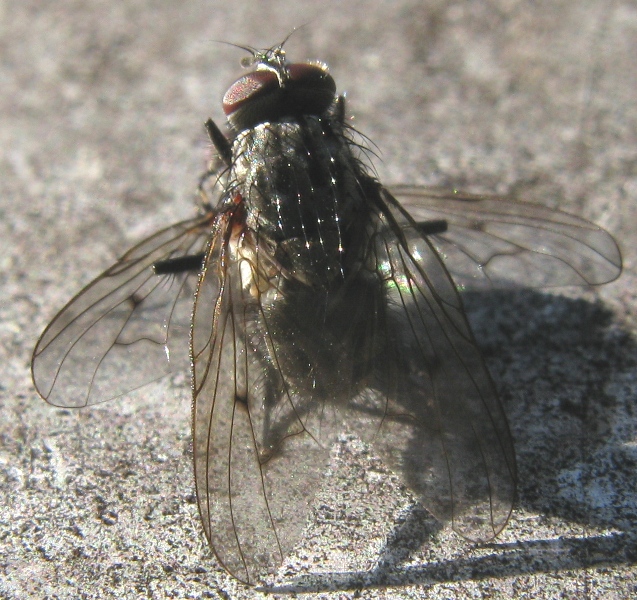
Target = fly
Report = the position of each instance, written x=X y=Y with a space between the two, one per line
x=323 y=302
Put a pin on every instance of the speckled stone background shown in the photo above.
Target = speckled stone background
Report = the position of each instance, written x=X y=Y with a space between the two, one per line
x=102 y=105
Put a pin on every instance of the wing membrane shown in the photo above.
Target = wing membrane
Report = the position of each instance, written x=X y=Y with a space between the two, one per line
x=444 y=428
x=127 y=316
x=256 y=436
x=281 y=370
x=496 y=242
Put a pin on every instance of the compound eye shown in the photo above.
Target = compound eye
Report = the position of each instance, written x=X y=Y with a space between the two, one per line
x=264 y=95
x=311 y=74
x=247 y=88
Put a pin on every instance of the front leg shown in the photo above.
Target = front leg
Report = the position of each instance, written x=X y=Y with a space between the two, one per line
x=219 y=165
x=219 y=141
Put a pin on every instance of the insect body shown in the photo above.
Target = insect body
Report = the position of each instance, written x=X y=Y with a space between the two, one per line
x=320 y=305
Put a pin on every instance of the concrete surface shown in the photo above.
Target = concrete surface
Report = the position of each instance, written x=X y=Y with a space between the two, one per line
x=102 y=106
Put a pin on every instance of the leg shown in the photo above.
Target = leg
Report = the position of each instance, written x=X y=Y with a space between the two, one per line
x=224 y=159
x=219 y=141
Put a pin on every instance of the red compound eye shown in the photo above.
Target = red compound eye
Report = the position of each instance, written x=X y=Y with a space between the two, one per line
x=307 y=89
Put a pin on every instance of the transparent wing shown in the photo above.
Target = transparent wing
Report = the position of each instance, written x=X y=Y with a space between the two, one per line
x=282 y=367
x=126 y=328
x=442 y=427
x=496 y=242
x=262 y=428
